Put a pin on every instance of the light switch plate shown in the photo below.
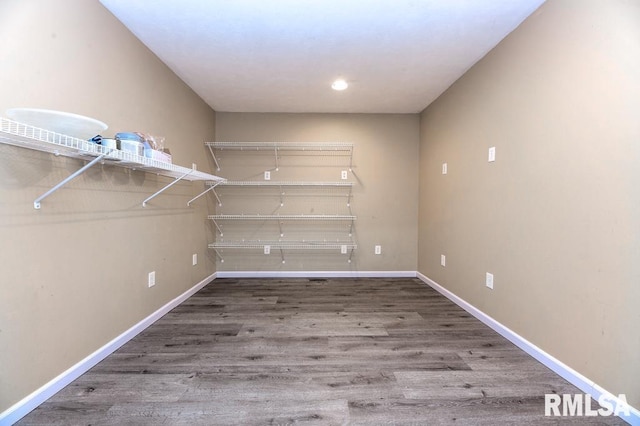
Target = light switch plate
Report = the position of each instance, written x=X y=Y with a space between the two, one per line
x=443 y=260
x=444 y=168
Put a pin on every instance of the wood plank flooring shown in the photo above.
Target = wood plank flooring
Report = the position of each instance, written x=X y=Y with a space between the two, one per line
x=313 y=352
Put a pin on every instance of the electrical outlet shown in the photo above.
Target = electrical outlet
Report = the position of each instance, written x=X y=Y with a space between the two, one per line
x=492 y=154
x=343 y=249
x=151 y=281
x=344 y=175
x=443 y=260
x=377 y=250
x=489 y=280
x=444 y=168
x=194 y=166
x=267 y=175
x=267 y=249
x=194 y=259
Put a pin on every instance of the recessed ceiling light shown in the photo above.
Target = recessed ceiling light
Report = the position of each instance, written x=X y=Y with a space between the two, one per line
x=339 y=84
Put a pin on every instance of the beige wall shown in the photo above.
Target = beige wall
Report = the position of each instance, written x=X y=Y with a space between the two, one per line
x=73 y=274
x=556 y=217
x=385 y=176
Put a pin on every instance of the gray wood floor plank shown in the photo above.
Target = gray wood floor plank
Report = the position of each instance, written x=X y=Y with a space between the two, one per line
x=339 y=351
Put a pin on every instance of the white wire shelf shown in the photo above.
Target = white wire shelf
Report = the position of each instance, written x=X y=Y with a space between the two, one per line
x=281 y=185
x=282 y=218
x=282 y=146
x=267 y=246
x=309 y=217
x=323 y=148
x=285 y=245
x=30 y=137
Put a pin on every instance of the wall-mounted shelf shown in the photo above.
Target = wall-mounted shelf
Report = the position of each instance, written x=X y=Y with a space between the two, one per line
x=323 y=148
x=345 y=247
x=30 y=137
x=308 y=230
x=281 y=218
x=281 y=186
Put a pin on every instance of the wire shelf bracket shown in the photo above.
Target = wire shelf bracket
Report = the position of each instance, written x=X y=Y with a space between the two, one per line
x=178 y=179
x=36 y=203
x=212 y=188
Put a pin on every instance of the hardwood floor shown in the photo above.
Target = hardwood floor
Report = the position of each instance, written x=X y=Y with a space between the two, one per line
x=317 y=352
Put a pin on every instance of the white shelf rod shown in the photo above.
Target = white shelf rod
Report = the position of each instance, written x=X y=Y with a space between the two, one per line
x=204 y=192
x=36 y=203
x=178 y=179
x=215 y=160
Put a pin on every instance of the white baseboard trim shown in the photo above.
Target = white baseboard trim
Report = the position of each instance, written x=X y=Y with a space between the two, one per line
x=557 y=366
x=316 y=274
x=30 y=402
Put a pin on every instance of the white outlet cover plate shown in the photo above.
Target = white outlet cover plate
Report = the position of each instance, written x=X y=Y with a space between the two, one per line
x=492 y=154
x=444 y=168
x=194 y=260
x=267 y=175
x=344 y=175
x=377 y=250
x=489 y=280
x=443 y=260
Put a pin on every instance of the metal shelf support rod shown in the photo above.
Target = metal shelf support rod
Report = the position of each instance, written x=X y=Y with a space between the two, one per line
x=217 y=198
x=202 y=193
x=215 y=222
x=215 y=160
x=219 y=255
x=178 y=179
x=36 y=203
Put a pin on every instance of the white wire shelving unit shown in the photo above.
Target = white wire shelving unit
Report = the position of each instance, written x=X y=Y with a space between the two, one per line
x=30 y=137
x=282 y=186
x=281 y=218
x=325 y=148
x=319 y=153
x=267 y=246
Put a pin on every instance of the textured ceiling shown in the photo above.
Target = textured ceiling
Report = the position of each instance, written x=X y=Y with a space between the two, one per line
x=282 y=55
